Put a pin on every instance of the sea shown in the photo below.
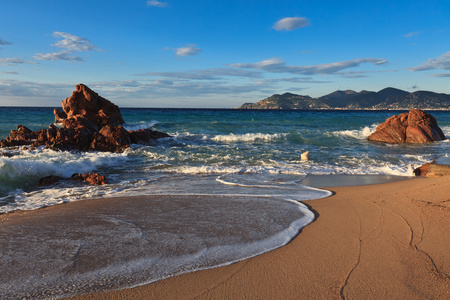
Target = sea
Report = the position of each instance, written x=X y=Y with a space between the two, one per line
x=243 y=167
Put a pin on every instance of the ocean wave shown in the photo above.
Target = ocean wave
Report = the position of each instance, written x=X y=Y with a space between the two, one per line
x=140 y=125
x=248 y=137
x=26 y=167
x=360 y=134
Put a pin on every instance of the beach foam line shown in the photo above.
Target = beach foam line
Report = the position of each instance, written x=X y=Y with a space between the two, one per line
x=107 y=244
x=383 y=241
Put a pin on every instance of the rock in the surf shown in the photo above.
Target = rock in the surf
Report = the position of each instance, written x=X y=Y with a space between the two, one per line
x=49 y=180
x=88 y=104
x=91 y=177
x=415 y=126
x=89 y=122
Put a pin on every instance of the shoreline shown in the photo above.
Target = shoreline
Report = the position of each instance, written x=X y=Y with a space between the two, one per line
x=377 y=241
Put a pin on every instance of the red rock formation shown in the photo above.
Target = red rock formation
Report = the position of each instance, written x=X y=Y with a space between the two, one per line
x=146 y=136
x=49 y=180
x=89 y=122
x=110 y=138
x=87 y=104
x=422 y=170
x=414 y=127
x=91 y=178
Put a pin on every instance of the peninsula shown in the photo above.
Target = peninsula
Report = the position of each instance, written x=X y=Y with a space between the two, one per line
x=386 y=99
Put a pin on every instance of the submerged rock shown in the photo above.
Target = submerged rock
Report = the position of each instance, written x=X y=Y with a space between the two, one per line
x=49 y=180
x=91 y=178
x=416 y=126
x=89 y=122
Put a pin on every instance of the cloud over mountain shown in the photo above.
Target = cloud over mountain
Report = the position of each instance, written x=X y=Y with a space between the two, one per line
x=276 y=65
x=442 y=62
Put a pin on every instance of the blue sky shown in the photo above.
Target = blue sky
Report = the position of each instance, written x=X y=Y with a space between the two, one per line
x=174 y=53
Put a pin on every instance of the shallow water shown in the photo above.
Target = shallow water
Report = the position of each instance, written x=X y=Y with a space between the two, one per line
x=216 y=142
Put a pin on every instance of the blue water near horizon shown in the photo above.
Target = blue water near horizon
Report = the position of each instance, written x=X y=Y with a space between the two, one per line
x=240 y=154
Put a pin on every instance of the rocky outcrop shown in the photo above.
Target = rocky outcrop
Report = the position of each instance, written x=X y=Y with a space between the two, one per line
x=89 y=122
x=91 y=178
x=85 y=103
x=432 y=170
x=416 y=126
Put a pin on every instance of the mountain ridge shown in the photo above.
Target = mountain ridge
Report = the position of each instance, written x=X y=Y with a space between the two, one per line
x=386 y=99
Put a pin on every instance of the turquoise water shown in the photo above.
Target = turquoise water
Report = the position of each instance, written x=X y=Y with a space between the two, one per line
x=240 y=167
x=212 y=142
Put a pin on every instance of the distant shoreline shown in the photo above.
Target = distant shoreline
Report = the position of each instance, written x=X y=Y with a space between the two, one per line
x=246 y=109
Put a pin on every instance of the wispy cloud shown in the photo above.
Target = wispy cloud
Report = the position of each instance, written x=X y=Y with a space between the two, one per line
x=289 y=24
x=276 y=65
x=442 y=62
x=157 y=3
x=13 y=61
x=3 y=42
x=73 y=43
x=207 y=74
x=188 y=50
x=441 y=75
x=414 y=33
x=70 y=44
x=63 y=55
x=33 y=89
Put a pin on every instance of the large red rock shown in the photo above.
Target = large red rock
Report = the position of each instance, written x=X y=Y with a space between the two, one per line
x=88 y=104
x=89 y=122
x=416 y=126
x=111 y=138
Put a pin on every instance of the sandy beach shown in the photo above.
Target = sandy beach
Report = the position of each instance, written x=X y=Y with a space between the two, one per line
x=387 y=241
x=382 y=241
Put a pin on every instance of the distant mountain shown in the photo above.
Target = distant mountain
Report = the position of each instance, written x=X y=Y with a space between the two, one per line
x=388 y=98
x=287 y=101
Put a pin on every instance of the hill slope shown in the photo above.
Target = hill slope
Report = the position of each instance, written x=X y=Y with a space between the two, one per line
x=388 y=98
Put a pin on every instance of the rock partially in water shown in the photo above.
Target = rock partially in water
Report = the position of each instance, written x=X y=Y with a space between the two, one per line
x=49 y=180
x=414 y=127
x=89 y=122
x=91 y=177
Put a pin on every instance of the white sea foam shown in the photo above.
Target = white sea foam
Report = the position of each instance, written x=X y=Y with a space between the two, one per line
x=61 y=163
x=126 y=255
x=140 y=125
x=360 y=134
x=248 y=137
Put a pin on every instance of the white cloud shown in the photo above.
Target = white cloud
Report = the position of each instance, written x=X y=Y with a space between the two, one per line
x=157 y=3
x=13 y=61
x=442 y=62
x=3 y=42
x=289 y=24
x=208 y=74
x=73 y=43
x=411 y=34
x=276 y=65
x=63 y=55
x=188 y=50
x=70 y=44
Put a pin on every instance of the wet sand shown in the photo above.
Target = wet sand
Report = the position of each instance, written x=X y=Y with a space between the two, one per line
x=384 y=241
